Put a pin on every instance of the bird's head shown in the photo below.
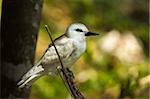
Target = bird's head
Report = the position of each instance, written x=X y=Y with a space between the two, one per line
x=78 y=31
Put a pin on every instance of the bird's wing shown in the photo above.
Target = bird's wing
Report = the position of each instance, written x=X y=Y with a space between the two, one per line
x=51 y=57
x=50 y=45
x=65 y=49
x=38 y=66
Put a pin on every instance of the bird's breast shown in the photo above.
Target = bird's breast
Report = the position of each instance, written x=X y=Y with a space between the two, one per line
x=80 y=48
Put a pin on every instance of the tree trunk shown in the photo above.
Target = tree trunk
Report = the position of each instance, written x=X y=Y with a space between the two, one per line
x=19 y=27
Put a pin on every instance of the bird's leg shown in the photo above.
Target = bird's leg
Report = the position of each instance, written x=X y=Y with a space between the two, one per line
x=69 y=73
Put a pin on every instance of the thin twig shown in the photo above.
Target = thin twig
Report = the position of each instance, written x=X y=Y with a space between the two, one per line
x=73 y=89
x=59 y=72
x=62 y=66
x=48 y=31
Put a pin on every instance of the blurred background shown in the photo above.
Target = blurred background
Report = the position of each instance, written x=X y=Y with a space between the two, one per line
x=115 y=64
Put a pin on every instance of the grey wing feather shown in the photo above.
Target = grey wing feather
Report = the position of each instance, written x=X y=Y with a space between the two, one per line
x=64 y=51
x=34 y=73
x=34 y=70
x=50 y=45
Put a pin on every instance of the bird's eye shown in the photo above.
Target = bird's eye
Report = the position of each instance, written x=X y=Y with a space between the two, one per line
x=78 y=30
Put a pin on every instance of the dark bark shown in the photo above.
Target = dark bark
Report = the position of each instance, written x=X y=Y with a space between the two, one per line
x=19 y=28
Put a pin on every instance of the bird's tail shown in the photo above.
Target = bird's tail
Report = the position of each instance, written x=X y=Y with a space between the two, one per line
x=33 y=74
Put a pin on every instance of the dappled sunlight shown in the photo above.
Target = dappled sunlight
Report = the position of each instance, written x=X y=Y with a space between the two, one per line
x=126 y=47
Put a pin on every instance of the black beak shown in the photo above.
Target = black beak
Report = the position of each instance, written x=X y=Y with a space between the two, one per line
x=90 y=34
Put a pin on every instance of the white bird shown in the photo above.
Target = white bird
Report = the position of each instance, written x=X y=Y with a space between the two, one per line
x=70 y=47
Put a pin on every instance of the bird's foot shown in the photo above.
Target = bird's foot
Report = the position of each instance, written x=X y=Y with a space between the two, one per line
x=69 y=73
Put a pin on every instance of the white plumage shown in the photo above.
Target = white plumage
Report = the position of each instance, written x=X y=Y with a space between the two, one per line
x=70 y=47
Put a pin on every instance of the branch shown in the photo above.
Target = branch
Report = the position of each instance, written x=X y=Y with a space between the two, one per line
x=66 y=73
